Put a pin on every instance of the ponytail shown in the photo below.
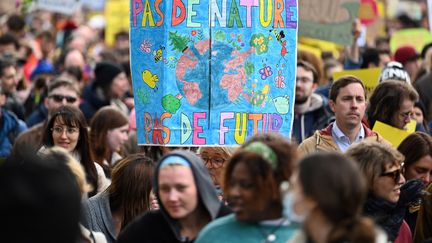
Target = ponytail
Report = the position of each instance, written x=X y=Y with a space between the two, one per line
x=357 y=230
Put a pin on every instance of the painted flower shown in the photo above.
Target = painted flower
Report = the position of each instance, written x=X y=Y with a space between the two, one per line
x=256 y=41
x=193 y=32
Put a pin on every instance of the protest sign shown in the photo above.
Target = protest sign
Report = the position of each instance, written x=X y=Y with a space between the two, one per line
x=67 y=7
x=368 y=11
x=115 y=12
x=212 y=72
x=416 y=37
x=377 y=27
x=94 y=5
x=392 y=134
x=329 y=20
x=369 y=77
x=323 y=46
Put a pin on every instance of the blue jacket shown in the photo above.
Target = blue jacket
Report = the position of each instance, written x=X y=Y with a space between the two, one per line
x=37 y=116
x=10 y=127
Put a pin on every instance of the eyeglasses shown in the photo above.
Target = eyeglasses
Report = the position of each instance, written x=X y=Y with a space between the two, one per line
x=406 y=115
x=395 y=175
x=303 y=79
x=215 y=162
x=60 y=98
x=70 y=131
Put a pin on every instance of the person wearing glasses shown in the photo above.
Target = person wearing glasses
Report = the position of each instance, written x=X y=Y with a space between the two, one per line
x=392 y=102
x=388 y=194
x=67 y=128
x=60 y=92
x=215 y=159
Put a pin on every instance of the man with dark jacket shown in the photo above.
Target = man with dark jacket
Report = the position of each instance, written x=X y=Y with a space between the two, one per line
x=61 y=92
x=311 y=110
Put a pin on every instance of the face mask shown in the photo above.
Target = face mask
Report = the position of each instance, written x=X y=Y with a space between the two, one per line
x=288 y=208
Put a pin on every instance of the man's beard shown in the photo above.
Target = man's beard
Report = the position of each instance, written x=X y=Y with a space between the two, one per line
x=301 y=100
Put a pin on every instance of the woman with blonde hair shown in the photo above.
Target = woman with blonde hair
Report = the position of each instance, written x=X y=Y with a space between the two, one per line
x=215 y=159
x=77 y=170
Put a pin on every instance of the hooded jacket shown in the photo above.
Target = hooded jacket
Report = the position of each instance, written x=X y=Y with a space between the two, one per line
x=322 y=140
x=316 y=116
x=158 y=226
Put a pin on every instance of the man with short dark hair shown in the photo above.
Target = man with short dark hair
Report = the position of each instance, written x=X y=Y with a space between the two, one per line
x=9 y=46
x=348 y=102
x=60 y=93
x=311 y=111
x=9 y=82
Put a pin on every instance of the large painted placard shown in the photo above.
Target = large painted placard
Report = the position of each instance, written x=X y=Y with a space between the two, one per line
x=212 y=72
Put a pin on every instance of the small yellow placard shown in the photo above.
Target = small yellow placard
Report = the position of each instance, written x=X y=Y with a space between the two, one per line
x=392 y=134
x=369 y=77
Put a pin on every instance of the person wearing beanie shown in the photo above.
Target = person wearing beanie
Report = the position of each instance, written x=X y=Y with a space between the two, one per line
x=408 y=56
x=394 y=71
x=108 y=88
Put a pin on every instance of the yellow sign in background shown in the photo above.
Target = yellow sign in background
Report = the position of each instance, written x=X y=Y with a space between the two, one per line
x=115 y=12
x=369 y=76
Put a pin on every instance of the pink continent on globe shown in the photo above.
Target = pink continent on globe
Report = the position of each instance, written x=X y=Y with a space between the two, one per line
x=234 y=83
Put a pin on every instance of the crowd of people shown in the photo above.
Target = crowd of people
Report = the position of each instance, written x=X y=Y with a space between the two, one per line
x=71 y=169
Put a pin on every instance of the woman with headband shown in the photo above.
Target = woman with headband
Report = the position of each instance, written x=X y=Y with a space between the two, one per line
x=251 y=185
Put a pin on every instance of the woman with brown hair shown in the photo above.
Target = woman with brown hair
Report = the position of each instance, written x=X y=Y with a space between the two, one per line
x=108 y=132
x=388 y=194
x=417 y=149
x=327 y=192
x=67 y=128
x=392 y=102
x=128 y=196
x=252 y=179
